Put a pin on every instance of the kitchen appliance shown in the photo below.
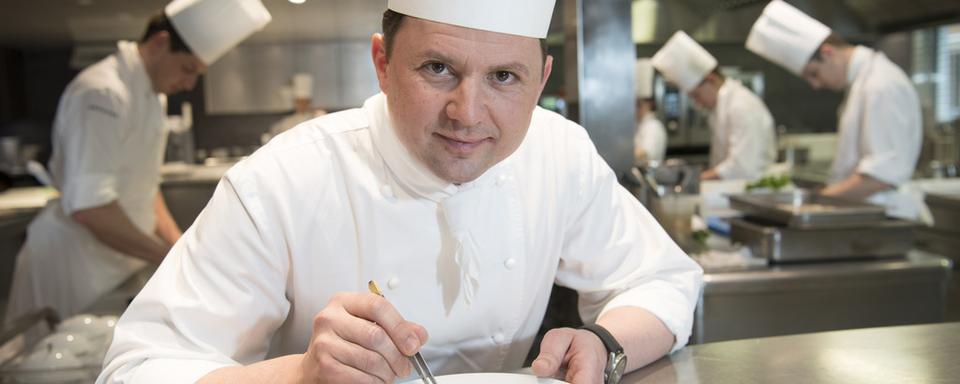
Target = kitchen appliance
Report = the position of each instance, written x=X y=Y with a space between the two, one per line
x=803 y=209
x=804 y=226
x=780 y=243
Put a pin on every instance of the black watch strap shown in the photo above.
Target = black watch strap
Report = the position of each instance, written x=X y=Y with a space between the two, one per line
x=608 y=341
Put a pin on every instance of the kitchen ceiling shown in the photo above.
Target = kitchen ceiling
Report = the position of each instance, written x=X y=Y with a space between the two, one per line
x=26 y=23
x=29 y=23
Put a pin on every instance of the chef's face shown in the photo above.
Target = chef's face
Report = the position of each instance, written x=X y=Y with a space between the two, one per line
x=460 y=99
x=177 y=72
x=705 y=94
x=826 y=70
x=170 y=71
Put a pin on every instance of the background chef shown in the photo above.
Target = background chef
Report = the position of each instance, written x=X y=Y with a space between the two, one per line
x=302 y=105
x=879 y=124
x=742 y=140
x=108 y=144
x=454 y=191
x=650 y=140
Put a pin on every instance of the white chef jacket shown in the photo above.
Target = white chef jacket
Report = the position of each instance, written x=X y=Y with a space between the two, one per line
x=338 y=201
x=880 y=128
x=108 y=143
x=742 y=144
x=651 y=136
x=288 y=122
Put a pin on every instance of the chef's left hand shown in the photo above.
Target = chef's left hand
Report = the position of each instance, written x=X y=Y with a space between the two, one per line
x=573 y=355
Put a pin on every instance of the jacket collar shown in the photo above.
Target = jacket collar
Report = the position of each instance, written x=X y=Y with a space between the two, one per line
x=858 y=61
x=131 y=65
x=408 y=171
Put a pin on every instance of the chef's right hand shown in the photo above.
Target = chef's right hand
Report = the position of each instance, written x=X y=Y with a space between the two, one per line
x=360 y=338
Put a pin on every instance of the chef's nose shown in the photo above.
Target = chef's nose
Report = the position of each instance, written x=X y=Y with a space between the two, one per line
x=466 y=102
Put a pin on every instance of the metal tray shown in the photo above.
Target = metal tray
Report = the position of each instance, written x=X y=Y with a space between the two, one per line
x=802 y=209
x=887 y=238
x=945 y=210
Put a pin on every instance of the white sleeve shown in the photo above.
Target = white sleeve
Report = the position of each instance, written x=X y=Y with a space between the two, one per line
x=90 y=142
x=215 y=301
x=615 y=254
x=892 y=134
x=750 y=131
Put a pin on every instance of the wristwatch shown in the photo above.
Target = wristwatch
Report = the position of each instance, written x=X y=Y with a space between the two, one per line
x=616 y=359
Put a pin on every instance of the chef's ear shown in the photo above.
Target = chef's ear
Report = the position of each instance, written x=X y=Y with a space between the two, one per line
x=378 y=52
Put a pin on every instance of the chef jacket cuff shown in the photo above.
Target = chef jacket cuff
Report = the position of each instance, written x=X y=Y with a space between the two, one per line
x=886 y=168
x=174 y=370
x=88 y=191
x=668 y=304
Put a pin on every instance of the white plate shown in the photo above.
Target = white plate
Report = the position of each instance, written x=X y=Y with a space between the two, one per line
x=491 y=378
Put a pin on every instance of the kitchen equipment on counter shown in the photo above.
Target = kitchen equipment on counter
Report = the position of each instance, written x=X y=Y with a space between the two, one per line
x=780 y=243
x=674 y=212
x=804 y=226
x=804 y=209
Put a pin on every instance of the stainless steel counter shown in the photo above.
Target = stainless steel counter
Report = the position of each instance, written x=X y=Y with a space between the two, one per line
x=905 y=354
x=811 y=297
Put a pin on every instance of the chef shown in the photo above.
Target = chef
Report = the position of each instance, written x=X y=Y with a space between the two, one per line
x=742 y=140
x=879 y=124
x=108 y=144
x=464 y=200
x=650 y=140
x=302 y=105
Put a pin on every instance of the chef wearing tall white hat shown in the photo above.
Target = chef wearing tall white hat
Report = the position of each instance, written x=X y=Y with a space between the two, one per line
x=742 y=141
x=303 y=110
x=464 y=200
x=108 y=144
x=650 y=140
x=879 y=123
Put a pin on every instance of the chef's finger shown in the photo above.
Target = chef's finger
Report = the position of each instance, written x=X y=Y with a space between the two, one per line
x=583 y=367
x=336 y=371
x=553 y=349
x=408 y=337
x=365 y=360
x=373 y=338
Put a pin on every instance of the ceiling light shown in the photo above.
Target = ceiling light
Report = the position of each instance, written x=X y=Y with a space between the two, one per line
x=297 y=1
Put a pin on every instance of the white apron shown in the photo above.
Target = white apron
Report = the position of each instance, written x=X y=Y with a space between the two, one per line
x=108 y=146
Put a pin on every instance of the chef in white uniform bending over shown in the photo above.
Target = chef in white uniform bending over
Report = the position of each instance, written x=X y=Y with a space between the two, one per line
x=450 y=188
x=650 y=140
x=108 y=144
x=879 y=125
x=742 y=140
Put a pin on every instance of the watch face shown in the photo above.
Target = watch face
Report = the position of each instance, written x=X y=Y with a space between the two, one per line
x=619 y=365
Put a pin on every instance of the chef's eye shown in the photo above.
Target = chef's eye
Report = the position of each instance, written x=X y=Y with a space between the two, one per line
x=504 y=77
x=436 y=68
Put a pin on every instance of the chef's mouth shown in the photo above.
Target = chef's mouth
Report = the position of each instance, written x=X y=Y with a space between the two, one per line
x=461 y=146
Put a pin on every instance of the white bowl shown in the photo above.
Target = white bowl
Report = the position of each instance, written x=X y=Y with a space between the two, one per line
x=77 y=344
x=97 y=327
